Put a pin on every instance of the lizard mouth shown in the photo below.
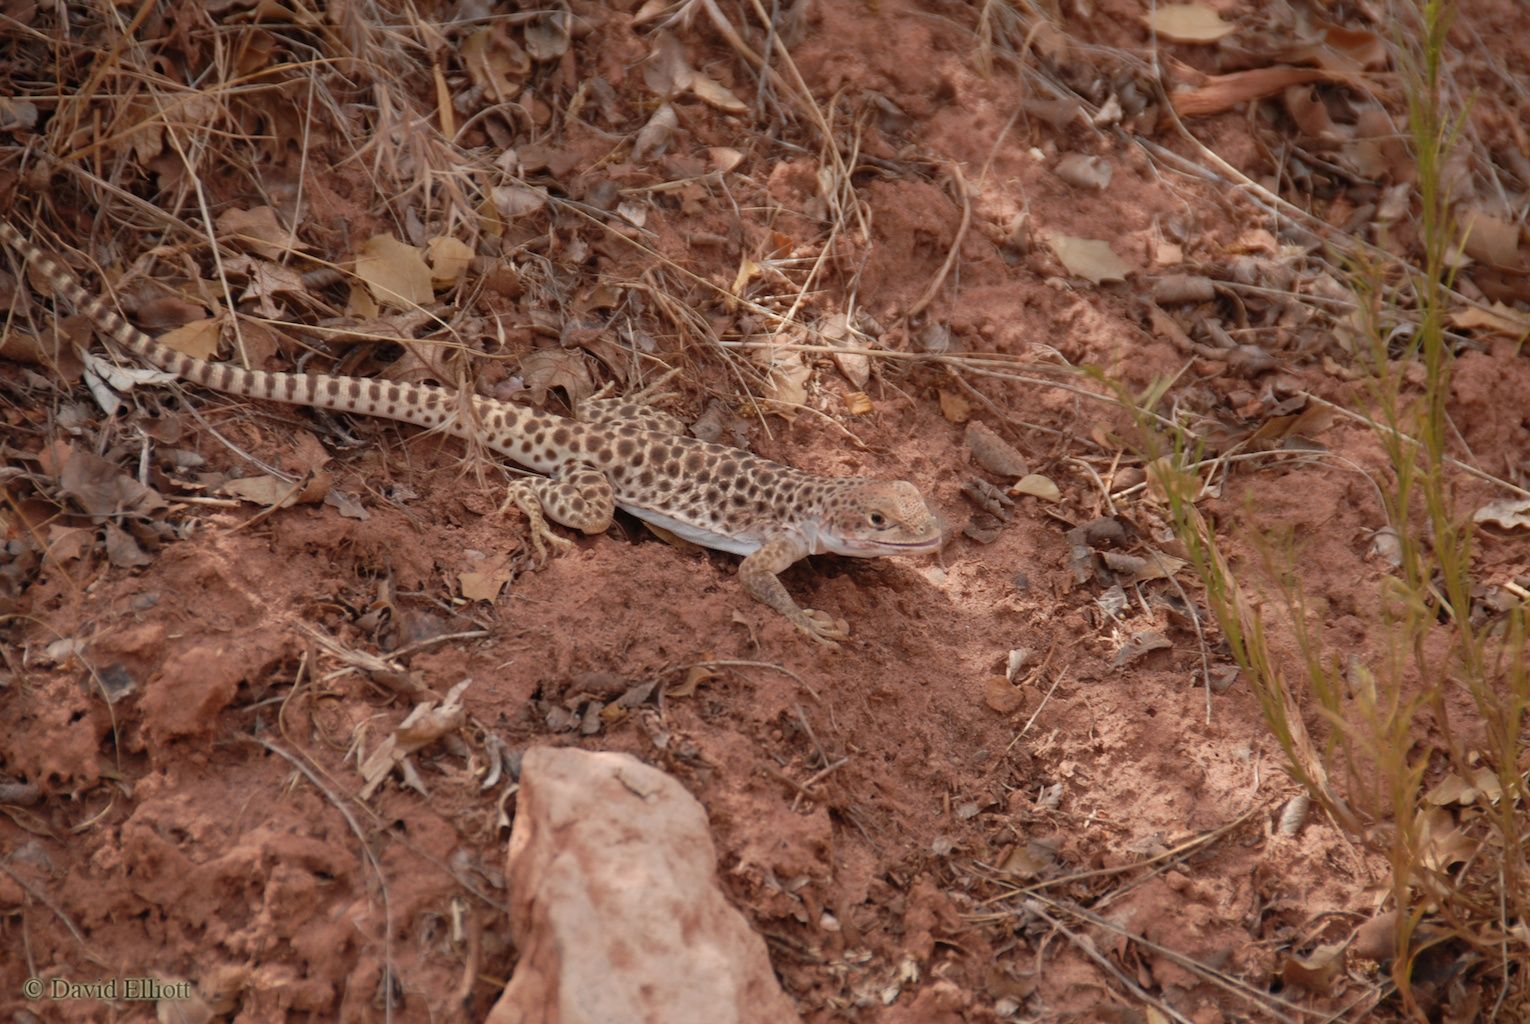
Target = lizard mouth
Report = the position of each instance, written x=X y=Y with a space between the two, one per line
x=919 y=547
x=865 y=548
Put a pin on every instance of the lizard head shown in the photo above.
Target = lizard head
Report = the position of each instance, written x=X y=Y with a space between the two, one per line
x=877 y=517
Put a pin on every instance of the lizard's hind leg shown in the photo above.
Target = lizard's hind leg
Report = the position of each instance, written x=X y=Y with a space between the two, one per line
x=579 y=497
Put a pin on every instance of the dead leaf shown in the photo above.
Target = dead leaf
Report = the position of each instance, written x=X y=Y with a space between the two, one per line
x=653 y=138
x=563 y=368
x=1378 y=151
x=1028 y=860
x=1396 y=201
x=104 y=379
x=198 y=339
x=1088 y=258
x=1376 y=939
x=55 y=349
x=1453 y=789
x=1248 y=360
x=516 y=201
x=17 y=116
x=1313 y=419
x=1056 y=113
x=1293 y=815
x=1487 y=788
x=558 y=161
x=983 y=528
x=1386 y=546
x=691 y=682
x=1139 y=645
x=485 y=582
x=650 y=11
x=748 y=270
x=97 y=485
x=1340 y=49
x=266 y=280
x=166 y=311
x=1491 y=239
x=1309 y=112
x=1500 y=284
x=122 y=550
x=360 y=304
x=271 y=492
x=66 y=543
x=603 y=297
x=993 y=453
x=858 y=403
x=1003 y=696
x=547 y=36
x=1255 y=241
x=1085 y=171
x=146 y=132
x=954 y=407
x=1317 y=971
x=1158 y=566
x=667 y=72
x=716 y=95
x=394 y=272
x=786 y=387
x=1498 y=318
x=257 y=230
x=308 y=455
x=724 y=158
x=935 y=337
x=495 y=62
x=1442 y=843
x=1037 y=486
x=1510 y=513
x=188 y=1008
x=856 y=366
x=1188 y=23
x=1166 y=327
x=347 y=505
x=449 y=259
x=426 y=724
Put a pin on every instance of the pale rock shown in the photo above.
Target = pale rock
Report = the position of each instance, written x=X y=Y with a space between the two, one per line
x=615 y=907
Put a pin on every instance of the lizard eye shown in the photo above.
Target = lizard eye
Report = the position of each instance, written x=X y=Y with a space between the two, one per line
x=878 y=520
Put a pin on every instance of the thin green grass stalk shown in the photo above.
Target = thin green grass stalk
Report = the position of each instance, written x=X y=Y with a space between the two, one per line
x=1378 y=715
x=1429 y=602
x=1438 y=572
x=1236 y=613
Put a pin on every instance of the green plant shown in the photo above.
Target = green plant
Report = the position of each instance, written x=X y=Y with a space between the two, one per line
x=1388 y=721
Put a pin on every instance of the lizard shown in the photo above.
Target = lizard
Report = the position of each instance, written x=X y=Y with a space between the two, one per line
x=612 y=454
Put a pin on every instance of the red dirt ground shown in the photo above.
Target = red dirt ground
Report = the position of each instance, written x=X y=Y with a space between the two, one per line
x=184 y=747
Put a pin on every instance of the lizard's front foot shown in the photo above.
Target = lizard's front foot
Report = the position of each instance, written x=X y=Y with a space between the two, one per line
x=822 y=626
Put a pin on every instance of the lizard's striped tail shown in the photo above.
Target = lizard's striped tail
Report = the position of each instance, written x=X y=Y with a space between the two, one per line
x=421 y=404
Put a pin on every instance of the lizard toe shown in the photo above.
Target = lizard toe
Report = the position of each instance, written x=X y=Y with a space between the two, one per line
x=823 y=627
